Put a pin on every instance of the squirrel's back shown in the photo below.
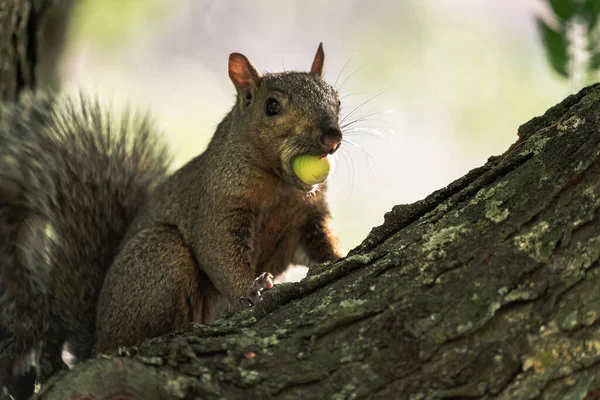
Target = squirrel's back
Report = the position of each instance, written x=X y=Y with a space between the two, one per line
x=71 y=180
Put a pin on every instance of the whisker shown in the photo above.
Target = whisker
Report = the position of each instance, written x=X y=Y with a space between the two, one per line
x=368 y=131
x=360 y=119
x=369 y=159
x=350 y=76
x=370 y=113
x=297 y=146
x=342 y=71
x=353 y=143
x=367 y=117
x=293 y=148
x=350 y=170
x=356 y=136
x=351 y=94
x=363 y=130
x=363 y=104
x=362 y=126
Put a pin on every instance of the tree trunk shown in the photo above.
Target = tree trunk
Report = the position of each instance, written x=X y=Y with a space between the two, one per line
x=487 y=288
x=32 y=34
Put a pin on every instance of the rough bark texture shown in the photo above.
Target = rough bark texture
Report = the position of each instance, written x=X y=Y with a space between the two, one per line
x=487 y=288
x=32 y=33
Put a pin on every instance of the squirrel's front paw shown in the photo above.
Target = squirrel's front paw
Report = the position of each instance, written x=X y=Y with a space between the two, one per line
x=263 y=282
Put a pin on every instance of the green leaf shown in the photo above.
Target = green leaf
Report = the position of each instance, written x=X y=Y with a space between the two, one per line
x=564 y=9
x=594 y=62
x=556 y=48
x=592 y=8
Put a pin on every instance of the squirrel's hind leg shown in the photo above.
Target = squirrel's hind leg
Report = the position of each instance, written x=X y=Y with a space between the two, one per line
x=152 y=288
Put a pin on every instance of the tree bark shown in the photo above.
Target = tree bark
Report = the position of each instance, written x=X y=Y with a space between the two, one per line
x=487 y=288
x=32 y=34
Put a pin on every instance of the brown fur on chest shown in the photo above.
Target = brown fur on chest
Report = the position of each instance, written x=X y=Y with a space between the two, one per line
x=278 y=233
x=282 y=215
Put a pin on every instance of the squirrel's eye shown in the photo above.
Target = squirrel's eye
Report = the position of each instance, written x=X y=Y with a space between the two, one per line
x=273 y=107
x=339 y=103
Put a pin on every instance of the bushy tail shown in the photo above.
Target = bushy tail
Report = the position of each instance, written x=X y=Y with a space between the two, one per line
x=71 y=181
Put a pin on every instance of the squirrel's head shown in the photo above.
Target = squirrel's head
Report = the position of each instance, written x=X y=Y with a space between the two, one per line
x=286 y=114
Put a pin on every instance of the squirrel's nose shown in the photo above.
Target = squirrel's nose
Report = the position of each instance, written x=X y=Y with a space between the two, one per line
x=330 y=139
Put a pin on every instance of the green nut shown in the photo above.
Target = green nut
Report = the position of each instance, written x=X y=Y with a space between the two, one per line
x=311 y=169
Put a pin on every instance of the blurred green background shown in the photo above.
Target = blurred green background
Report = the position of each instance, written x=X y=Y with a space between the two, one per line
x=448 y=81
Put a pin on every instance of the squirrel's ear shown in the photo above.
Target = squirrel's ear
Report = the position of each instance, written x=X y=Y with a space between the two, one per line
x=243 y=74
x=318 y=62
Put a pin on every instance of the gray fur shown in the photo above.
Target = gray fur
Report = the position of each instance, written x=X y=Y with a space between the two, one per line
x=71 y=180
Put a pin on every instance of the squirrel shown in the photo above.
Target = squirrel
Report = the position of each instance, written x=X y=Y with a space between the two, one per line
x=101 y=248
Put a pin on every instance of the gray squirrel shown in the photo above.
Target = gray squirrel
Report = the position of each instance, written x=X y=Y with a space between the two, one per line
x=100 y=247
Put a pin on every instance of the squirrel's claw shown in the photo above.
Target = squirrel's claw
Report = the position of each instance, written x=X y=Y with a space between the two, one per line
x=263 y=282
